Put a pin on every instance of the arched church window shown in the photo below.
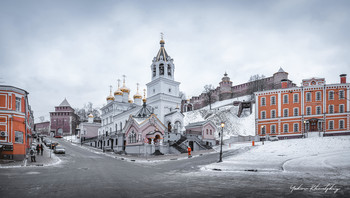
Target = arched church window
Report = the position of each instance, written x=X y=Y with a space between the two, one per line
x=161 y=69
x=154 y=70
x=121 y=126
x=169 y=70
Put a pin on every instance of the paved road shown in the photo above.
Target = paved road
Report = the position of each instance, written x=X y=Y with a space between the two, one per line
x=85 y=174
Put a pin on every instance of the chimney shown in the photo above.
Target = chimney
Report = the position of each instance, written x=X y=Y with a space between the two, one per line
x=284 y=83
x=342 y=78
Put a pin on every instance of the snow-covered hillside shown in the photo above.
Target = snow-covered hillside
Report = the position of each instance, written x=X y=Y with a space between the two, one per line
x=226 y=112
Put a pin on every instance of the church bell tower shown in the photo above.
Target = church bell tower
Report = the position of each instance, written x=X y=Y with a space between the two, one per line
x=163 y=91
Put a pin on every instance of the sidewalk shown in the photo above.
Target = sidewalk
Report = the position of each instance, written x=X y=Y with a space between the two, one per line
x=41 y=160
x=148 y=158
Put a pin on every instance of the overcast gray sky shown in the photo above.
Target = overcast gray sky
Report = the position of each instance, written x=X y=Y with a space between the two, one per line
x=76 y=49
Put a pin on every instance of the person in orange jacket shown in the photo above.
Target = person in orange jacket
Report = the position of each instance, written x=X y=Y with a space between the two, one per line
x=189 y=152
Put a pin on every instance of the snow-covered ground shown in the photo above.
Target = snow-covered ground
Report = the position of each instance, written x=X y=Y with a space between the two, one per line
x=225 y=111
x=325 y=155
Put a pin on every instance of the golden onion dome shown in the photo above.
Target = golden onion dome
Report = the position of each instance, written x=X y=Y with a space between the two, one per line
x=90 y=115
x=118 y=93
x=110 y=97
x=161 y=41
x=124 y=89
x=137 y=96
x=130 y=101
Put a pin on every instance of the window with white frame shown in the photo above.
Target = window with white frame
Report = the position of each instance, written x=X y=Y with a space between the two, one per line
x=285 y=128
x=331 y=109
x=273 y=129
x=308 y=110
x=296 y=98
x=331 y=124
x=318 y=96
x=341 y=94
x=263 y=101
x=308 y=97
x=285 y=99
x=263 y=115
x=18 y=104
x=341 y=124
x=18 y=137
x=273 y=113
x=331 y=95
x=296 y=127
x=318 y=110
x=273 y=100
x=296 y=111
x=341 y=108
x=285 y=112
x=263 y=130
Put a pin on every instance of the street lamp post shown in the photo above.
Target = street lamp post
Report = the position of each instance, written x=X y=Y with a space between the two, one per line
x=222 y=139
x=264 y=134
x=304 y=128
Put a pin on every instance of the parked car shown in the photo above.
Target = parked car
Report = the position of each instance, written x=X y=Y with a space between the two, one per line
x=59 y=149
x=273 y=138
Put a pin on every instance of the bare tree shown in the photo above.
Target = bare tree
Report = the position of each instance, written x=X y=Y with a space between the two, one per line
x=209 y=90
x=84 y=112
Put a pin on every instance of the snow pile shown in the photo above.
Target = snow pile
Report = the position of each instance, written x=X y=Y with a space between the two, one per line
x=226 y=112
x=73 y=138
x=319 y=155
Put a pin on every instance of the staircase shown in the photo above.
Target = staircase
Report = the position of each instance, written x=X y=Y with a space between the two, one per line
x=177 y=144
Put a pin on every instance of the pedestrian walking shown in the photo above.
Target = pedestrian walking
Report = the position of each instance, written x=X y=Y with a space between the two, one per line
x=189 y=152
x=32 y=155
x=41 y=149
x=38 y=149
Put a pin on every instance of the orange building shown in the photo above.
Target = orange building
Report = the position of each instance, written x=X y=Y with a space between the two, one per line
x=16 y=123
x=314 y=109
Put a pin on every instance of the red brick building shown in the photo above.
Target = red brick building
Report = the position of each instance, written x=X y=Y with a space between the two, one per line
x=315 y=108
x=63 y=121
x=16 y=123
x=42 y=128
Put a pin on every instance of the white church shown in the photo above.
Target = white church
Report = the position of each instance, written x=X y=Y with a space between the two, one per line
x=152 y=125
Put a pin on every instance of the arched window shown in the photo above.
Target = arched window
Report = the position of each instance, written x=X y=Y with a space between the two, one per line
x=161 y=69
x=132 y=137
x=121 y=126
x=169 y=70
x=207 y=132
x=154 y=70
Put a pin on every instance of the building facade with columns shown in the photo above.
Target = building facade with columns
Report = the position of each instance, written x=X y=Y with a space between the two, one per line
x=314 y=109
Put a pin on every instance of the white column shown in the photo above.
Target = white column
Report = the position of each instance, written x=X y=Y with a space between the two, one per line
x=279 y=104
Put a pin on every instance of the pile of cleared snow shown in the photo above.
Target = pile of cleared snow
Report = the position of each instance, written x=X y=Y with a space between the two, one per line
x=321 y=155
x=226 y=112
x=73 y=138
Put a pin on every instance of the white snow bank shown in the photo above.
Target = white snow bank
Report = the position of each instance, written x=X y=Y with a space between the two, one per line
x=317 y=155
x=73 y=138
